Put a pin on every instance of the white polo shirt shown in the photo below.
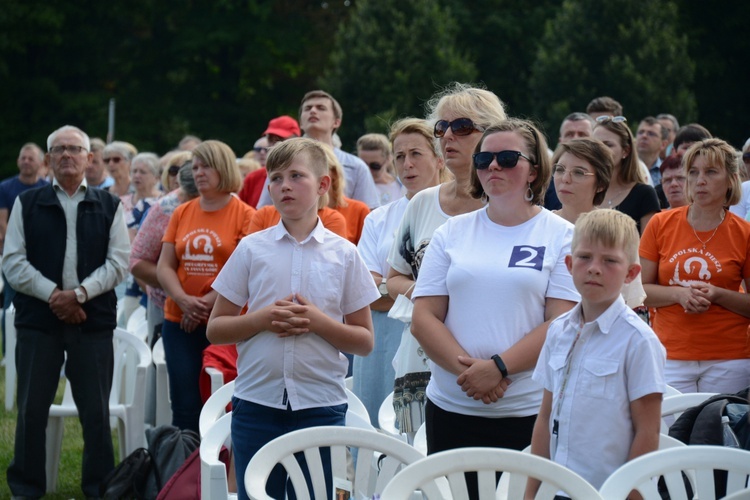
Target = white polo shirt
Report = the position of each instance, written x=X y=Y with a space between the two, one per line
x=616 y=360
x=270 y=265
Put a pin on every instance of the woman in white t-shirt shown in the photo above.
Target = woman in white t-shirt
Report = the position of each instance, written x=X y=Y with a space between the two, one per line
x=420 y=166
x=459 y=113
x=490 y=283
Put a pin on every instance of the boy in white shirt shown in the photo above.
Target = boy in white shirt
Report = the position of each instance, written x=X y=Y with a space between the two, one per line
x=298 y=280
x=602 y=367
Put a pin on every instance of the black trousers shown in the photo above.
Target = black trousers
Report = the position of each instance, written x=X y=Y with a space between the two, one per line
x=39 y=358
x=447 y=431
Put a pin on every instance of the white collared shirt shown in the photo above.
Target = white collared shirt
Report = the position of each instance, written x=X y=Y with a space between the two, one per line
x=616 y=360
x=28 y=280
x=304 y=370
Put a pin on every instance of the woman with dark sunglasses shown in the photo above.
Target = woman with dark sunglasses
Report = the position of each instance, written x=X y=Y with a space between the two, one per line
x=489 y=285
x=459 y=114
x=628 y=191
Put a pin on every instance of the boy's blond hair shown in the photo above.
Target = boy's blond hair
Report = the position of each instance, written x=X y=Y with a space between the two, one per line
x=610 y=228
x=283 y=154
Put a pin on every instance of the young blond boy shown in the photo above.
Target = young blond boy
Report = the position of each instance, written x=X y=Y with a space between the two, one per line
x=602 y=367
x=299 y=280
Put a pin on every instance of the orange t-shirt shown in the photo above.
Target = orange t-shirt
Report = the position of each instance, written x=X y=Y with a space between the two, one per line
x=354 y=213
x=203 y=243
x=268 y=216
x=670 y=242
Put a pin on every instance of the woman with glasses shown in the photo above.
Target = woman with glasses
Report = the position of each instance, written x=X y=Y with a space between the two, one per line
x=199 y=239
x=490 y=283
x=117 y=156
x=628 y=191
x=460 y=113
x=695 y=259
x=581 y=170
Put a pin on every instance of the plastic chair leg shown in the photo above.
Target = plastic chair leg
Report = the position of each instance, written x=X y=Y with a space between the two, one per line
x=55 y=427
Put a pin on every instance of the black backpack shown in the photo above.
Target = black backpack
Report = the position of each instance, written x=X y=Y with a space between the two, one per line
x=701 y=425
x=143 y=473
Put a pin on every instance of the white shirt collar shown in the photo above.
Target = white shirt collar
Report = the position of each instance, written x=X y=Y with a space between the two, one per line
x=318 y=232
x=604 y=321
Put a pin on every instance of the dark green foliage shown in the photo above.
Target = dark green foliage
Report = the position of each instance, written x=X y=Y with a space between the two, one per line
x=390 y=58
x=629 y=50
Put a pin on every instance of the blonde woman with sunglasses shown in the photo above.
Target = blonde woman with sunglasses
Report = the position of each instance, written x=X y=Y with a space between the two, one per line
x=459 y=114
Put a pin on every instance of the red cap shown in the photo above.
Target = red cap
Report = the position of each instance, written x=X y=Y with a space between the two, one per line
x=283 y=126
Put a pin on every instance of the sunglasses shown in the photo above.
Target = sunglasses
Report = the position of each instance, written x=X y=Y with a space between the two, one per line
x=746 y=156
x=505 y=159
x=375 y=165
x=613 y=119
x=260 y=149
x=459 y=126
x=114 y=159
x=174 y=170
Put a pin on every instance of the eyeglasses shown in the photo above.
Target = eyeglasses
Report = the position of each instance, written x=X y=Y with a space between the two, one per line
x=114 y=159
x=577 y=174
x=505 y=159
x=73 y=150
x=613 y=119
x=174 y=170
x=459 y=126
x=746 y=156
x=375 y=165
x=260 y=149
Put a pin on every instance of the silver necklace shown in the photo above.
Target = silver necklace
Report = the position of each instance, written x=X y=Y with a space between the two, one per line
x=704 y=243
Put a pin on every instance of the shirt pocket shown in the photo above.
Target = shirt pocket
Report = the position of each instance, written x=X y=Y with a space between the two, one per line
x=598 y=378
x=325 y=284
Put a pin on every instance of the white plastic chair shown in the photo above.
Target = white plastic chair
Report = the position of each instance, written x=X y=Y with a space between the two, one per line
x=215 y=407
x=370 y=476
x=126 y=403
x=671 y=391
x=513 y=486
x=356 y=405
x=214 y=485
x=739 y=495
x=673 y=406
x=639 y=473
x=137 y=323
x=387 y=417
x=216 y=377
x=163 y=405
x=486 y=462
x=10 y=357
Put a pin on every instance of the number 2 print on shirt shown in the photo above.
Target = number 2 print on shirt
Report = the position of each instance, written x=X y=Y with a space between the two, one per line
x=527 y=256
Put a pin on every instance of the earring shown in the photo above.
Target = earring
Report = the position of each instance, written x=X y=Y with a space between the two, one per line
x=529 y=194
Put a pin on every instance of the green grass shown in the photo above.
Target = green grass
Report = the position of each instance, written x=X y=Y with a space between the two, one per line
x=69 y=478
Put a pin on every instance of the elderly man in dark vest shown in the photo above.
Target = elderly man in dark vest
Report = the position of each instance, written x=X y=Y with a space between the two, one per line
x=66 y=249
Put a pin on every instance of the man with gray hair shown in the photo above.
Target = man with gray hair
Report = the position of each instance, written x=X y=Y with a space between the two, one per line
x=65 y=308
x=576 y=126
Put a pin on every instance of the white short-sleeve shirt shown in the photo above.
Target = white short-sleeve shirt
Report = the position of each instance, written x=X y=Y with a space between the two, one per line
x=497 y=279
x=269 y=265
x=617 y=359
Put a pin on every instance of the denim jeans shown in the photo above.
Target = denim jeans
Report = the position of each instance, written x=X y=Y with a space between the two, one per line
x=184 y=356
x=254 y=425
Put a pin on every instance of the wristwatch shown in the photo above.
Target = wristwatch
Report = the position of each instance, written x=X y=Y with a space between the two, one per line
x=383 y=289
x=80 y=295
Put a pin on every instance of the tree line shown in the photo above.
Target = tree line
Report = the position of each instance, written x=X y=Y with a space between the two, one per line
x=222 y=68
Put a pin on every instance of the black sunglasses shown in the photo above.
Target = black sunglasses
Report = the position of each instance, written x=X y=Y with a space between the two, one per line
x=174 y=170
x=459 y=126
x=505 y=159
